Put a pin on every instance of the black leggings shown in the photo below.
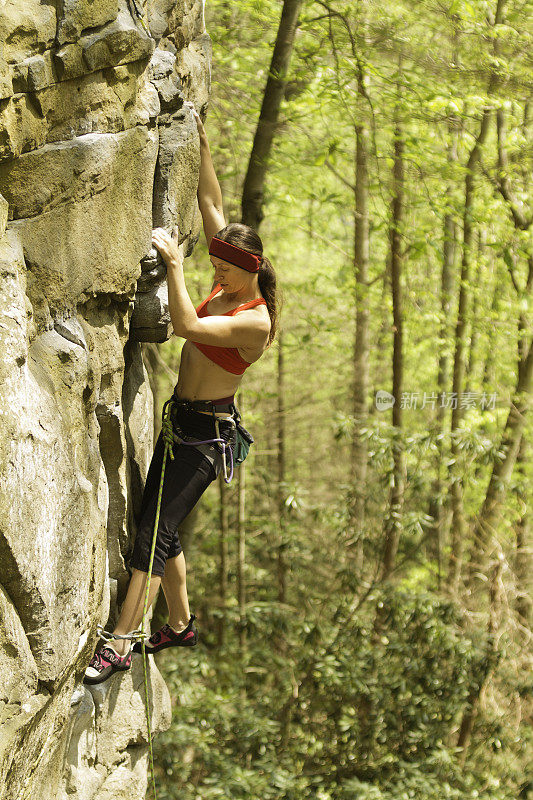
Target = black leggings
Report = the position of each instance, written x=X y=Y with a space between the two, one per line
x=186 y=479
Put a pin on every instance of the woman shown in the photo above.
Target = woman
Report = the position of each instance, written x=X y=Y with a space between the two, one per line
x=226 y=333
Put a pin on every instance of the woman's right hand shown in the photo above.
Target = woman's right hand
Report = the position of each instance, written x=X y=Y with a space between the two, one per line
x=196 y=115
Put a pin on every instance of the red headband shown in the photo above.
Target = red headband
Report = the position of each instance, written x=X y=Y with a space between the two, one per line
x=234 y=255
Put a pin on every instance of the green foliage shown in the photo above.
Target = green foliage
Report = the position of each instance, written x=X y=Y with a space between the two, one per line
x=372 y=712
x=352 y=689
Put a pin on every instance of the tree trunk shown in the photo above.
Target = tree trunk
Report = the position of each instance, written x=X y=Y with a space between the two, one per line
x=524 y=545
x=380 y=371
x=361 y=344
x=254 y=182
x=476 y=693
x=456 y=487
x=436 y=510
x=502 y=468
x=472 y=355
x=392 y=524
x=489 y=375
x=281 y=482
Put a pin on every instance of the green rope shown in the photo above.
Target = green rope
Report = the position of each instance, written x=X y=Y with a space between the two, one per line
x=168 y=437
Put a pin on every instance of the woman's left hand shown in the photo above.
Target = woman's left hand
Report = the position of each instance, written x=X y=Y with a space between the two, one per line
x=171 y=252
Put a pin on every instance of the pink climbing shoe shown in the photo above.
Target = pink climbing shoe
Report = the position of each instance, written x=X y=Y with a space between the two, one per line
x=167 y=637
x=105 y=663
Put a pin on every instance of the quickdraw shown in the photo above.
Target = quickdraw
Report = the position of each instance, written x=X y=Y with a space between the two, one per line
x=107 y=636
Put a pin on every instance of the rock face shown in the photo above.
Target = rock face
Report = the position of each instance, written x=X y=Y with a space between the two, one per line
x=96 y=148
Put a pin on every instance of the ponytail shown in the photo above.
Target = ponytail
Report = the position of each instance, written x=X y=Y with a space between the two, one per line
x=267 y=285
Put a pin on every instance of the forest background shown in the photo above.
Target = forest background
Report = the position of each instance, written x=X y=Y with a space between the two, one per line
x=363 y=587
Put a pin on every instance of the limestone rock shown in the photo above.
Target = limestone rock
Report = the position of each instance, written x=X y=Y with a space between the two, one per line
x=75 y=15
x=175 y=180
x=26 y=28
x=84 y=776
x=4 y=210
x=146 y=107
x=107 y=101
x=83 y=211
x=121 y=41
x=126 y=781
x=178 y=165
x=138 y=408
x=184 y=21
x=71 y=330
x=69 y=61
x=151 y=321
x=16 y=719
x=113 y=451
x=192 y=66
x=58 y=442
x=161 y=64
x=34 y=73
x=170 y=93
x=18 y=670
x=6 y=81
x=120 y=710
x=21 y=128
x=72 y=171
x=89 y=107
x=117 y=43
x=153 y=270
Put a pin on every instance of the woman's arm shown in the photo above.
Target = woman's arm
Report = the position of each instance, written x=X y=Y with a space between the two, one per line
x=209 y=192
x=249 y=328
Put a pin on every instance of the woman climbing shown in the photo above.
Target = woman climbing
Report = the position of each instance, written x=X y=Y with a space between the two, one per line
x=228 y=331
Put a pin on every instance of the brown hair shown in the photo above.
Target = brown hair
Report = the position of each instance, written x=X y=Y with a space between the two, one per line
x=243 y=236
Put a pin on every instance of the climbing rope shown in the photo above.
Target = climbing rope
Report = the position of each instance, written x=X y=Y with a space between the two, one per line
x=141 y=18
x=169 y=437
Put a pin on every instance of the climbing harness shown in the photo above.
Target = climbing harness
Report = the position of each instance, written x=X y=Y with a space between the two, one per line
x=168 y=432
x=172 y=430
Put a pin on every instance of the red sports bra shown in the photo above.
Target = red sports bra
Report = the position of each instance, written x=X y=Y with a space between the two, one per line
x=228 y=358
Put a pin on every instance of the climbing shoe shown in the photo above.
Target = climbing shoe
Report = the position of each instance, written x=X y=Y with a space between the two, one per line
x=167 y=637
x=105 y=663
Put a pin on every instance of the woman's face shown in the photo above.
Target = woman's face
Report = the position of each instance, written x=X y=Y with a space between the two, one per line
x=230 y=277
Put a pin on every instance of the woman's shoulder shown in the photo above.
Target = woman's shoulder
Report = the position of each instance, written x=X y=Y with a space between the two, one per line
x=256 y=310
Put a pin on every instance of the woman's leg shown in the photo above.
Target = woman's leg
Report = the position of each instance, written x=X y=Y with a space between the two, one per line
x=132 y=609
x=186 y=478
x=174 y=583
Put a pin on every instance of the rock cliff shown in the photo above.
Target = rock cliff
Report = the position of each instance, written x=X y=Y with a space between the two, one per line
x=96 y=148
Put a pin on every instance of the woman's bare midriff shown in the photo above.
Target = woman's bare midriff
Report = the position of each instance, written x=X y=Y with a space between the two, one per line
x=201 y=379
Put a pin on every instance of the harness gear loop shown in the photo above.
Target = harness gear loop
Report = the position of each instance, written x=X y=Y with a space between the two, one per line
x=225 y=446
